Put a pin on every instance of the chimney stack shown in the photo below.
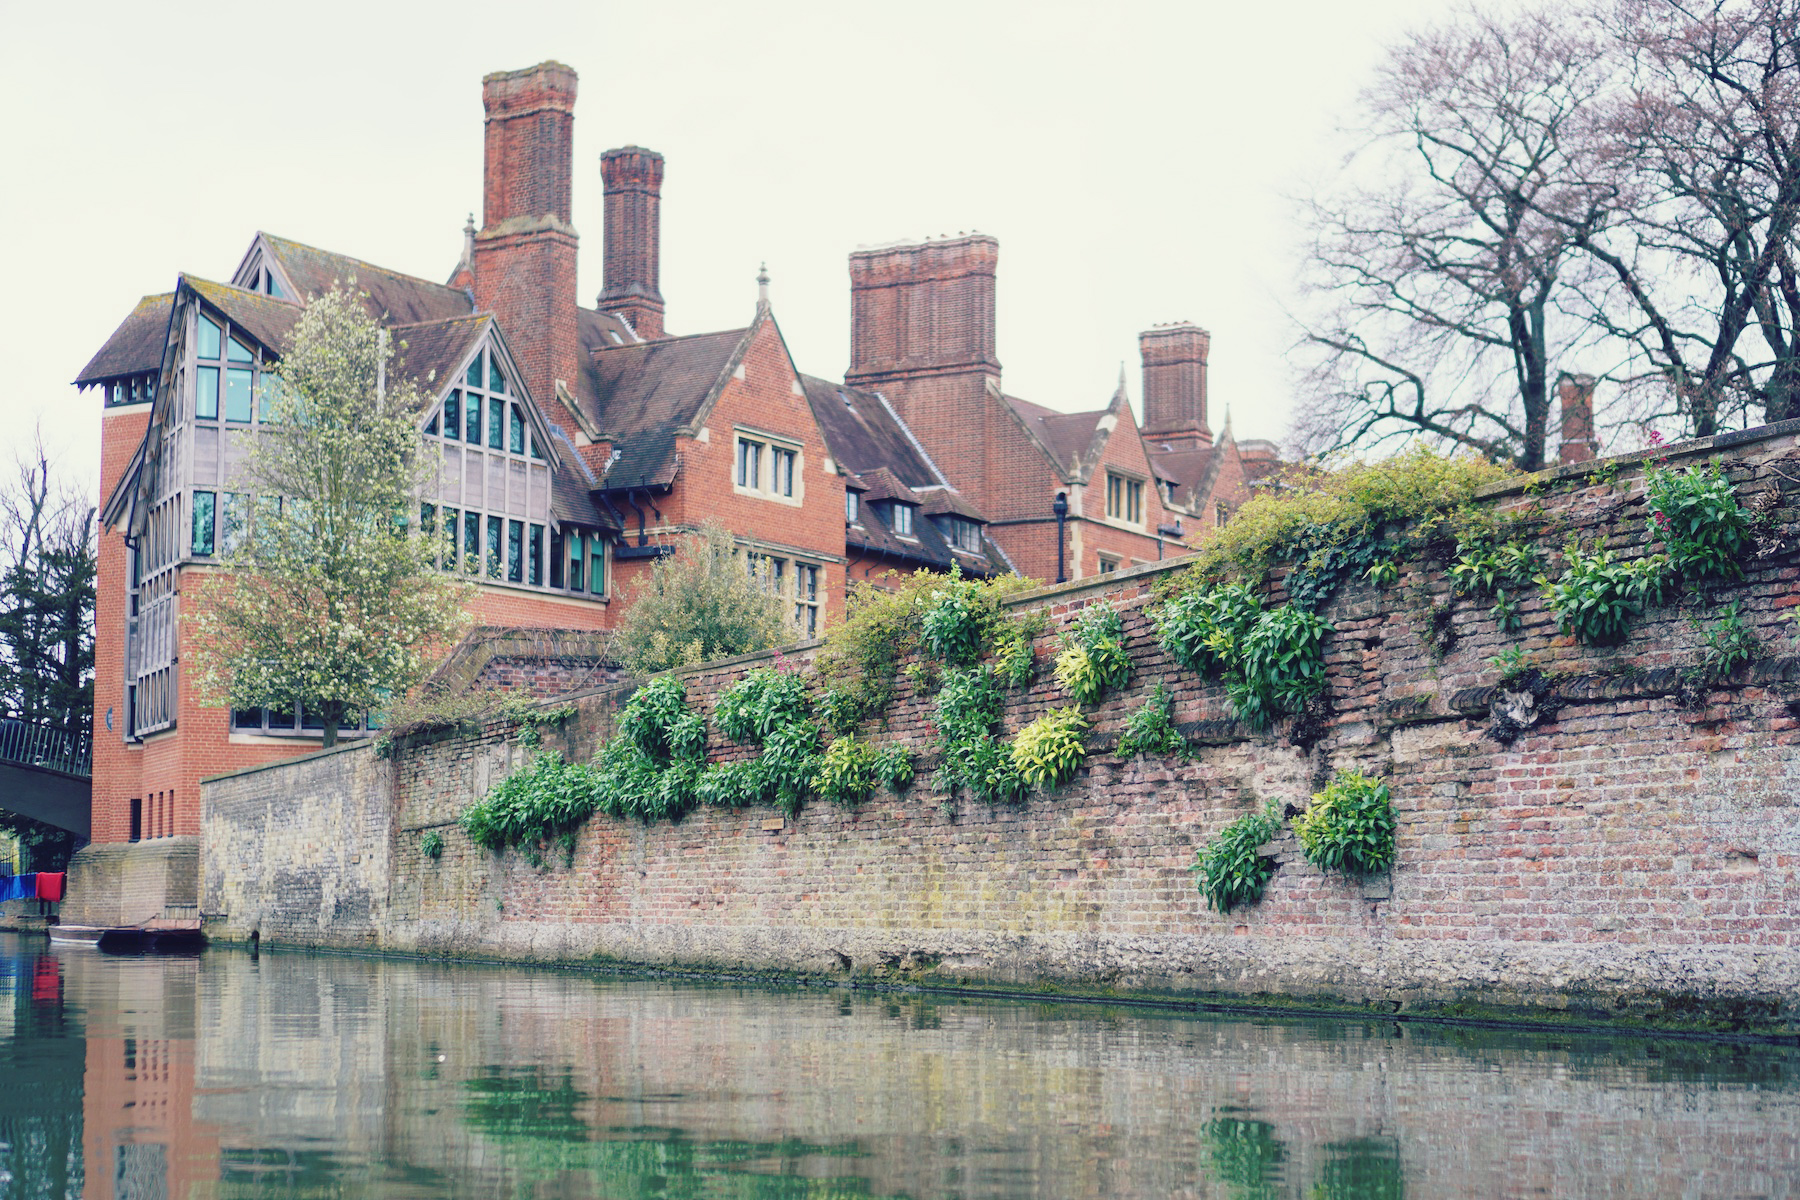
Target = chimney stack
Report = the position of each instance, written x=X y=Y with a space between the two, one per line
x=524 y=255
x=1174 y=359
x=1577 y=395
x=922 y=334
x=633 y=179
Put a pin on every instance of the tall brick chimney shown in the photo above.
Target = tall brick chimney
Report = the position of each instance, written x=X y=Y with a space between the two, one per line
x=1175 y=385
x=922 y=334
x=1577 y=395
x=633 y=179
x=524 y=258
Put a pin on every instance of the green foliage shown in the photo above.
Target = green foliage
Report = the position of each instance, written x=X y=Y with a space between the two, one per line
x=955 y=621
x=1228 y=870
x=1245 y=1156
x=971 y=756
x=1697 y=516
x=1502 y=570
x=1349 y=827
x=432 y=845
x=652 y=768
x=1203 y=629
x=1385 y=572
x=333 y=602
x=851 y=771
x=1597 y=595
x=699 y=605
x=1280 y=664
x=761 y=702
x=1331 y=524
x=1050 y=750
x=1151 y=729
x=1094 y=661
x=537 y=802
x=1512 y=663
x=659 y=722
x=862 y=654
x=1728 y=645
x=1014 y=659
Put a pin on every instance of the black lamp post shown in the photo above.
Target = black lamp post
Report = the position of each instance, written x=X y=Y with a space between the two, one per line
x=1061 y=508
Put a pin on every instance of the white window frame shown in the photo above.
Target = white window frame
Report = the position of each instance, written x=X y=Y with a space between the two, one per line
x=757 y=461
x=1129 y=493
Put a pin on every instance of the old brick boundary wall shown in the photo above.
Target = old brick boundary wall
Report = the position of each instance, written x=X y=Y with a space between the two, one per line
x=1635 y=854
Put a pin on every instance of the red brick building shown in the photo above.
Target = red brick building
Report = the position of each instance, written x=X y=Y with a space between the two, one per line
x=578 y=444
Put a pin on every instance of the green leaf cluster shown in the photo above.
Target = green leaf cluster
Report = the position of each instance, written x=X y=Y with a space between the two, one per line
x=432 y=845
x=1501 y=570
x=851 y=770
x=971 y=754
x=762 y=702
x=1696 y=514
x=1349 y=827
x=1202 y=629
x=1093 y=661
x=955 y=621
x=1229 y=870
x=1272 y=660
x=1727 y=645
x=1151 y=729
x=1597 y=595
x=1050 y=750
x=541 y=800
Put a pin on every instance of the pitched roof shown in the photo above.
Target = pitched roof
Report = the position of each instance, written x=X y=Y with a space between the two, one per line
x=267 y=319
x=431 y=352
x=136 y=346
x=1073 y=440
x=864 y=433
x=645 y=392
x=402 y=299
x=571 y=484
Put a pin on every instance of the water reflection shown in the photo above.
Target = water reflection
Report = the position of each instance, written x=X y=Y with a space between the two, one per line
x=297 y=1076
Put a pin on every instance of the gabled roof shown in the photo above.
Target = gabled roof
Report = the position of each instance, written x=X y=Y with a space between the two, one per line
x=647 y=392
x=401 y=299
x=267 y=319
x=1068 y=439
x=864 y=433
x=136 y=346
x=571 y=489
x=431 y=352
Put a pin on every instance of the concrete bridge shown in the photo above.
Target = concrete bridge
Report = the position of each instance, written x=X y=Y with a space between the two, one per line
x=47 y=774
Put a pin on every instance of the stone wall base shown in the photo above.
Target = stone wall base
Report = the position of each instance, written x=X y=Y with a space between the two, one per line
x=123 y=885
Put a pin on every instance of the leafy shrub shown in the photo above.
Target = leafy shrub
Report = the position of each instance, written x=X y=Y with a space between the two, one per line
x=539 y=801
x=1015 y=661
x=652 y=768
x=698 y=606
x=1050 y=750
x=759 y=703
x=1151 y=729
x=1229 y=871
x=1349 y=827
x=1280 y=664
x=1597 y=595
x=432 y=845
x=659 y=722
x=1202 y=629
x=851 y=770
x=1728 y=645
x=971 y=756
x=1094 y=661
x=954 y=623
x=1697 y=516
x=984 y=767
x=1500 y=571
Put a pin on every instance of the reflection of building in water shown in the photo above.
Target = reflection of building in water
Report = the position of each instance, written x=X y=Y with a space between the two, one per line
x=140 y=1139
x=40 y=1077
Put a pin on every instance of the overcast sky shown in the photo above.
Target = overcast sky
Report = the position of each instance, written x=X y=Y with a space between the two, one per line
x=1132 y=158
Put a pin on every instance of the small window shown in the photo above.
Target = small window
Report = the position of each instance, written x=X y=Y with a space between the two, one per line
x=473 y=376
x=852 y=506
x=963 y=534
x=576 y=553
x=203 y=522
x=536 y=549
x=237 y=522
x=516 y=430
x=453 y=415
x=806 y=599
x=749 y=463
x=239 y=383
x=210 y=338
x=496 y=381
x=471 y=555
x=1220 y=515
x=496 y=533
x=515 y=551
x=596 y=566
x=496 y=424
x=472 y=422
x=236 y=351
x=900 y=519
x=1108 y=565
x=449 y=554
x=782 y=461
x=431 y=426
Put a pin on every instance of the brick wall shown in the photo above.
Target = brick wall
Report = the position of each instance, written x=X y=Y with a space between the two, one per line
x=1640 y=851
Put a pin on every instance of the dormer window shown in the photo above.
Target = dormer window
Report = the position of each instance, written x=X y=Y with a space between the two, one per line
x=962 y=534
x=852 y=506
x=900 y=519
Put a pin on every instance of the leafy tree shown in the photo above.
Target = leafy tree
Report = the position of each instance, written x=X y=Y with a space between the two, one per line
x=703 y=603
x=333 y=601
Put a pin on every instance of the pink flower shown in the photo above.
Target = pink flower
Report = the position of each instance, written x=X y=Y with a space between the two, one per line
x=1656 y=439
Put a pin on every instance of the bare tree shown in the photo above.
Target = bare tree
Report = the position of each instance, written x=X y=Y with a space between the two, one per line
x=1442 y=256
x=1694 y=181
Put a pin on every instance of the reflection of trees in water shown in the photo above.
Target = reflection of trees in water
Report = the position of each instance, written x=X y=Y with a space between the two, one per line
x=1247 y=1157
x=538 y=1123
x=42 y=1051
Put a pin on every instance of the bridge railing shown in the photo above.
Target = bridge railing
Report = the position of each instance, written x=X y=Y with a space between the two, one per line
x=46 y=746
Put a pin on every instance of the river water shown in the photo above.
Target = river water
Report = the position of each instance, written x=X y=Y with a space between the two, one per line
x=224 y=1075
